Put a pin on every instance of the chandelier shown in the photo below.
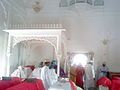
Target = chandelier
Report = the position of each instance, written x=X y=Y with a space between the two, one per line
x=36 y=7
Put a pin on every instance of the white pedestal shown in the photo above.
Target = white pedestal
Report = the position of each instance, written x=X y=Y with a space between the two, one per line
x=103 y=88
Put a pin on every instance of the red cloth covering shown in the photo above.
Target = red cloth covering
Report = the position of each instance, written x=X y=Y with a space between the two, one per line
x=30 y=66
x=80 y=71
x=104 y=81
x=38 y=85
x=73 y=86
x=115 y=83
x=4 y=84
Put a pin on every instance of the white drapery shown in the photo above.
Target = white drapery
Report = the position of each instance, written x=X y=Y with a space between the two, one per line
x=18 y=56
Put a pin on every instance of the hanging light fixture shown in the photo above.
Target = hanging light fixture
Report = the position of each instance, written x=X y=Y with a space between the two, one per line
x=36 y=7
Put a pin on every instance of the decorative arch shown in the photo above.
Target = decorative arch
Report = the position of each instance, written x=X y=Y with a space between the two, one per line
x=50 y=40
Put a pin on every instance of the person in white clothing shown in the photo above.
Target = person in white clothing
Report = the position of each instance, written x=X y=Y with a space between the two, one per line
x=37 y=72
x=19 y=72
x=103 y=70
x=45 y=74
x=52 y=77
x=89 y=76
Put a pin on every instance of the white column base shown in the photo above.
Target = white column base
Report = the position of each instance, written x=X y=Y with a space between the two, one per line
x=103 y=88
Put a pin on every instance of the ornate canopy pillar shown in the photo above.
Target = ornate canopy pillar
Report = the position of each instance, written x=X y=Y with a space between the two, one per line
x=9 y=51
x=52 y=36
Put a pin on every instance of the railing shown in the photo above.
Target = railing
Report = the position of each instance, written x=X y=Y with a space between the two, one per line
x=35 y=26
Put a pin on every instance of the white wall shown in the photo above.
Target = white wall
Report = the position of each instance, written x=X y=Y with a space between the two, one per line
x=89 y=31
x=40 y=52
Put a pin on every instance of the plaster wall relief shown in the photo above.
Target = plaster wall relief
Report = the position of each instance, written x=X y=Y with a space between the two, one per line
x=67 y=3
x=51 y=40
x=106 y=50
x=99 y=3
x=63 y=3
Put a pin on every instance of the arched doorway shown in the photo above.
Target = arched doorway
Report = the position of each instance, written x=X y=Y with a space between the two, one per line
x=77 y=71
x=80 y=59
x=31 y=52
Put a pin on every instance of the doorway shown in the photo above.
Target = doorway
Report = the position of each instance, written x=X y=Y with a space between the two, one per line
x=77 y=68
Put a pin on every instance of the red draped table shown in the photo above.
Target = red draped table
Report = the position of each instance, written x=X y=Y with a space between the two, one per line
x=115 y=85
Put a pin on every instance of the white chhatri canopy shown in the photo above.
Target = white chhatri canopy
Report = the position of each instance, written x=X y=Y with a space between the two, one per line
x=53 y=36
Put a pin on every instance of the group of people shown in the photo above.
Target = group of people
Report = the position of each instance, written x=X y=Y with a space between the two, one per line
x=43 y=72
x=85 y=76
x=46 y=71
x=47 y=75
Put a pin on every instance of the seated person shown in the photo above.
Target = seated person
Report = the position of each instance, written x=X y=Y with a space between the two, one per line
x=52 y=76
x=103 y=70
x=37 y=72
x=27 y=71
x=48 y=76
x=44 y=74
x=54 y=65
x=19 y=72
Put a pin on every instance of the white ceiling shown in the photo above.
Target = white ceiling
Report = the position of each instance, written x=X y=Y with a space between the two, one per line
x=21 y=12
x=51 y=5
x=112 y=5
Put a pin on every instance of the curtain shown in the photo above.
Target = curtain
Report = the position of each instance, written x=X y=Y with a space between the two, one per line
x=21 y=54
x=18 y=56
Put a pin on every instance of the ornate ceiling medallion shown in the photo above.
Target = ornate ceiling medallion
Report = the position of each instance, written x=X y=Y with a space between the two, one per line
x=36 y=7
